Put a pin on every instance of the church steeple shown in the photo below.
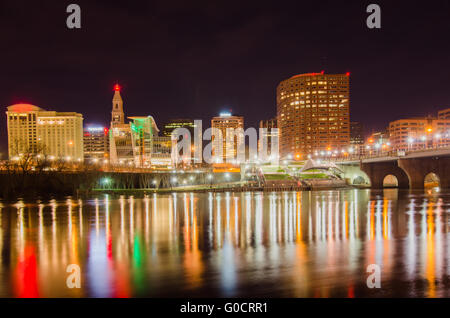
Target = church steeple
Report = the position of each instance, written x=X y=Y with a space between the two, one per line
x=117 y=117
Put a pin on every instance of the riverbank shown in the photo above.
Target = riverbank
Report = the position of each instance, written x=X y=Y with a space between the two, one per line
x=219 y=189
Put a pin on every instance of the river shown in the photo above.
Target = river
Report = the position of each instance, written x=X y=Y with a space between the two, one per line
x=272 y=244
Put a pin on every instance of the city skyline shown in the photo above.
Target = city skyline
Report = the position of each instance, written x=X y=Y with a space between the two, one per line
x=184 y=62
x=226 y=155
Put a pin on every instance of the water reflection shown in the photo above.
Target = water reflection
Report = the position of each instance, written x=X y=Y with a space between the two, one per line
x=296 y=244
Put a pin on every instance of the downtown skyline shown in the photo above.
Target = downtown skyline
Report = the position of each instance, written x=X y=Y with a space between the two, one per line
x=225 y=156
x=221 y=61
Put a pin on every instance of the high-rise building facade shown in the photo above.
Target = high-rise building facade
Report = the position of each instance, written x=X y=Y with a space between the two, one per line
x=189 y=124
x=229 y=143
x=444 y=114
x=96 y=143
x=32 y=129
x=173 y=124
x=313 y=112
x=419 y=133
x=162 y=152
x=269 y=133
x=356 y=133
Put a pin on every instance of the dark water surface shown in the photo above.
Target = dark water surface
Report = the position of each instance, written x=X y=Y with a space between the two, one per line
x=290 y=244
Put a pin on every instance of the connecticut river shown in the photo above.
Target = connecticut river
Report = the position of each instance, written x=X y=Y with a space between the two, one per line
x=284 y=244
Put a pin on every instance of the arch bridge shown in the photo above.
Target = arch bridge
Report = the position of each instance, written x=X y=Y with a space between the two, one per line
x=414 y=170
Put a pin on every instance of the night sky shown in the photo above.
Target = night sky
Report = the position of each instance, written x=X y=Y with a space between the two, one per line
x=196 y=58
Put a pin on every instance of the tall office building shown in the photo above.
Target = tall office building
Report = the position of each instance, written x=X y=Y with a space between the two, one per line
x=32 y=129
x=356 y=133
x=96 y=143
x=270 y=133
x=173 y=124
x=190 y=125
x=162 y=152
x=229 y=142
x=313 y=112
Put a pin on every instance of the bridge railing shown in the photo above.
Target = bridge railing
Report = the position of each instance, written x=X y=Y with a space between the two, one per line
x=383 y=154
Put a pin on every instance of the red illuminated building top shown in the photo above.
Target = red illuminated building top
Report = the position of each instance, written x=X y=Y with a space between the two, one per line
x=23 y=108
x=315 y=74
x=117 y=88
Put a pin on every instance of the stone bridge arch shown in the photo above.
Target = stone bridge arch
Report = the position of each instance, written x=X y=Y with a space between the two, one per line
x=419 y=168
x=377 y=171
x=354 y=175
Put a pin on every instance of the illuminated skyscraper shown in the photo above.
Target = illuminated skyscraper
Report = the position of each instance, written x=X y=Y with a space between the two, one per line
x=32 y=129
x=313 y=113
x=229 y=143
x=96 y=143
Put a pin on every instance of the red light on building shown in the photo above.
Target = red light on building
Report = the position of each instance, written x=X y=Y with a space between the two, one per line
x=117 y=88
x=348 y=73
x=106 y=130
x=23 y=108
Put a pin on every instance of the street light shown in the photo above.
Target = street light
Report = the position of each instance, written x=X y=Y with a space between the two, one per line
x=105 y=181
